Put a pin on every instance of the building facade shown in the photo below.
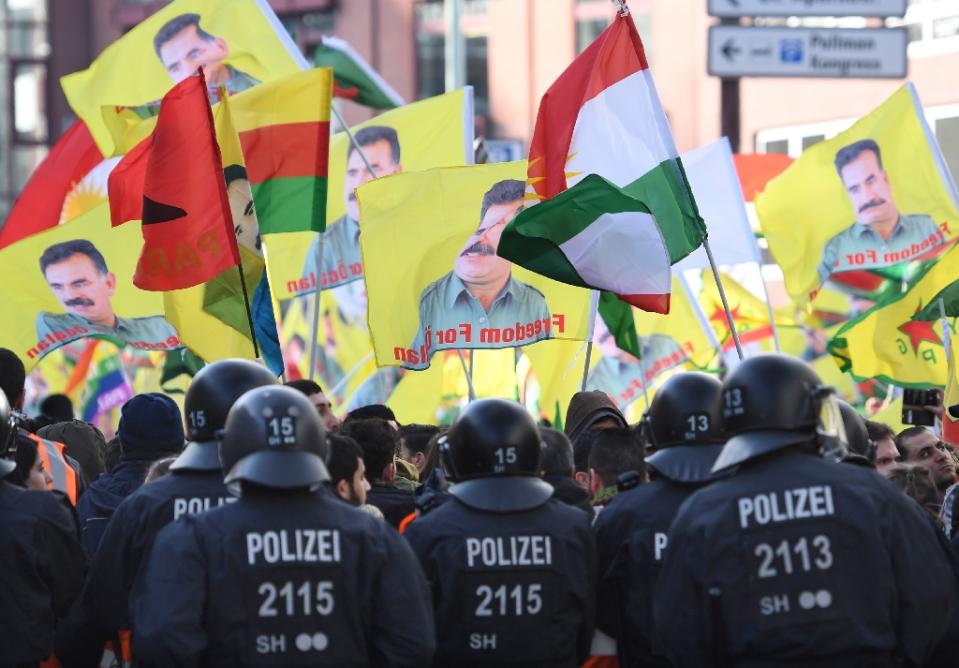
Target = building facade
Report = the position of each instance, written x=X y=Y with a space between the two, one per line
x=514 y=50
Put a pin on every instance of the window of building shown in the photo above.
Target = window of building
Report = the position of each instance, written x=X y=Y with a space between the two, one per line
x=933 y=27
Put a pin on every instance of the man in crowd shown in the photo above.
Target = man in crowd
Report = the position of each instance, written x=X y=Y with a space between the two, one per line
x=885 y=439
x=347 y=471
x=312 y=391
x=556 y=468
x=921 y=446
x=614 y=452
x=414 y=446
x=380 y=442
x=151 y=428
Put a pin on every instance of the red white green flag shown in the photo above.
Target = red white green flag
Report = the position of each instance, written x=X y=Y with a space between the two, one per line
x=622 y=232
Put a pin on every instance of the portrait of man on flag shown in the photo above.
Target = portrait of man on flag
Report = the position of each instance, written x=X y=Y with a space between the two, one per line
x=183 y=46
x=77 y=274
x=453 y=291
x=481 y=289
x=880 y=228
x=341 y=239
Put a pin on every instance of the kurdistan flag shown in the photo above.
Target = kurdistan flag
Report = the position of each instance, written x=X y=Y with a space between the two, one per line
x=354 y=78
x=602 y=146
x=888 y=342
x=284 y=129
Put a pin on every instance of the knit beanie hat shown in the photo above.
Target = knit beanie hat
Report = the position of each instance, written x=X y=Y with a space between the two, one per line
x=586 y=409
x=150 y=426
x=84 y=442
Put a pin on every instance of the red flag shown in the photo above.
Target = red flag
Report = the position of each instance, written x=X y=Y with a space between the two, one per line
x=125 y=184
x=41 y=202
x=187 y=226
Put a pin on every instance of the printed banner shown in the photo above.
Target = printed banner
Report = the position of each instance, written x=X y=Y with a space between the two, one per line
x=75 y=281
x=238 y=43
x=445 y=224
x=875 y=195
x=437 y=132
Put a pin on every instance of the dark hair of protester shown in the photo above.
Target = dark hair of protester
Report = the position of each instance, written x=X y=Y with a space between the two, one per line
x=67 y=249
x=57 y=406
x=433 y=453
x=175 y=26
x=305 y=386
x=582 y=445
x=25 y=457
x=378 y=441
x=847 y=154
x=84 y=443
x=416 y=437
x=557 y=458
x=111 y=456
x=376 y=133
x=159 y=468
x=344 y=453
x=878 y=431
x=916 y=482
x=907 y=433
x=614 y=452
x=13 y=376
x=372 y=411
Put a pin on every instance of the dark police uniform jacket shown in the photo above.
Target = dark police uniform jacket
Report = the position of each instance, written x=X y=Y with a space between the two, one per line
x=508 y=588
x=798 y=560
x=631 y=541
x=131 y=532
x=282 y=579
x=42 y=567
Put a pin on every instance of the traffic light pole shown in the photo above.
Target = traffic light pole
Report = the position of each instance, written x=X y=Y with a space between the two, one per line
x=729 y=104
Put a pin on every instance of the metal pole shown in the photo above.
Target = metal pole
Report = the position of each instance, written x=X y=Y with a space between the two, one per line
x=249 y=312
x=722 y=296
x=469 y=376
x=455 y=62
x=946 y=332
x=593 y=310
x=315 y=328
x=729 y=103
x=349 y=374
x=697 y=309
x=349 y=134
x=769 y=309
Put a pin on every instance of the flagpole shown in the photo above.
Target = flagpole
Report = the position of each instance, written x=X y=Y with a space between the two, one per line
x=946 y=332
x=593 y=309
x=349 y=374
x=469 y=376
x=349 y=134
x=703 y=322
x=769 y=309
x=722 y=296
x=315 y=325
x=246 y=302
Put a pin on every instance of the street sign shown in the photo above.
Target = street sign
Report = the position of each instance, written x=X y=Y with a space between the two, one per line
x=740 y=8
x=855 y=53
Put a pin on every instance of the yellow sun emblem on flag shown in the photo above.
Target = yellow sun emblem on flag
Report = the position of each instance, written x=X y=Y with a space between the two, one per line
x=82 y=198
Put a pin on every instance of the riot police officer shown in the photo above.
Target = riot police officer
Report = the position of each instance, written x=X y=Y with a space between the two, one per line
x=289 y=575
x=511 y=568
x=41 y=561
x=795 y=559
x=193 y=485
x=684 y=426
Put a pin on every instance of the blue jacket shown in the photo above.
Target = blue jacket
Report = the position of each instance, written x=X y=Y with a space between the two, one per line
x=96 y=506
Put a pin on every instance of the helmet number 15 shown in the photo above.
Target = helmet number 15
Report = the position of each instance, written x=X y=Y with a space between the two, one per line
x=505 y=456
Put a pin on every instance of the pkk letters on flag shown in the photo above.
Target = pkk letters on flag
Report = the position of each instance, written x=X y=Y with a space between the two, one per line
x=187 y=226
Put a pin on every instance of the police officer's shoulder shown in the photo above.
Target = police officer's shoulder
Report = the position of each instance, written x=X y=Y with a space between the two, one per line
x=633 y=504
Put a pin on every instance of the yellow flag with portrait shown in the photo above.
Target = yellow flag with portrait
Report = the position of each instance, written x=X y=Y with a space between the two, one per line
x=451 y=291
x=874 y=196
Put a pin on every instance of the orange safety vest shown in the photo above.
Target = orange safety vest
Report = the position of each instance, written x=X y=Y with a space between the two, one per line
x=64 y=477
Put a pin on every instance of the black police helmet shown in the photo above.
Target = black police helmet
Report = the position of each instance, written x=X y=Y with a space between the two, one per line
x=492 y=451
x=684 y=426
x=274 y=437
x=8 y=435
x=211 y=395
x=857 y=436
x=770 y=402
